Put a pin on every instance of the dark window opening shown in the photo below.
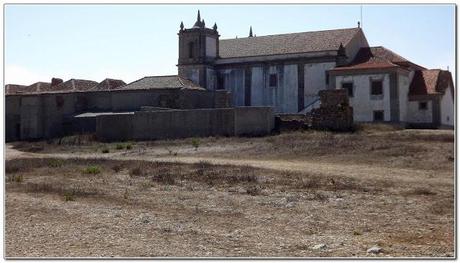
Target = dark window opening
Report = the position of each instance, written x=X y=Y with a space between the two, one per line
x=378 y=115
x=422 y=105
x=349 y=87
x=18 y=131
x=273 y=80
x=376 y=87
x=220 y=82
x=327 y=78
x=191 y=47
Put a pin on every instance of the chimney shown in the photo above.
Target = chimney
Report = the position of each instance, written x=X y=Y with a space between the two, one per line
x=56 y=81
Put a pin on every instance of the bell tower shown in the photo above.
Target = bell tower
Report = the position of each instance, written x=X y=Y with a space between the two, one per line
x=198 y=49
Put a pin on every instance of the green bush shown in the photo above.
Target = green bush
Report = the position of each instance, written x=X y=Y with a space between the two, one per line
x=120 y=146
x=69 y=196
x=129 y=146
x=105 y=150
x=92 y=170
x=195 y=143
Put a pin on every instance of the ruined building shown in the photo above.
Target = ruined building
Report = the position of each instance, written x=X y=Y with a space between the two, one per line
x=284 y=72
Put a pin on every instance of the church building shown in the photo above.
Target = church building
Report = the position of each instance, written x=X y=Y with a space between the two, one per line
x=286 y=71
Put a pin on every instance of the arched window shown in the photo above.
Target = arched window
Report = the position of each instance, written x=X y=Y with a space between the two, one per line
x=191 y=47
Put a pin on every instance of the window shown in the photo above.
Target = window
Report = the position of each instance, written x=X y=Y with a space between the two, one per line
x=327 y=78
x=423 y=105
x=378 y=115
x=376 y=87
x=273 y=80
x=349 y=87
x=191 y=47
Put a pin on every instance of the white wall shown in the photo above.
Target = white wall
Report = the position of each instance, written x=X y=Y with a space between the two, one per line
x=447 y=108
x=414 y=115
x=283 y=97
x=315 y=80
x=403 y=92
x=363 y=105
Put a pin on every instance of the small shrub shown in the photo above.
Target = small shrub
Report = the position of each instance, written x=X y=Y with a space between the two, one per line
x=69 y=196
x=120 y=146
x=105 y=150
x=357 y=233
x=135 y=172
x=253 y=190
x=18 y=178
x=129 y=146
x=117 y=168
x=55 y=163
x=420 y=191
x=164 y=176
x=92 y=170
x=195 y=143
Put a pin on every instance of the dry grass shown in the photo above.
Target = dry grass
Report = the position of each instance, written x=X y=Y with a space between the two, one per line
x=204 y=209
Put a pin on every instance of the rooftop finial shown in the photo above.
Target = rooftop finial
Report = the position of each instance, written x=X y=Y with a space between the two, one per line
x=359 y=24
x=250 y=31
x=181 y=26
x=202 y=23
x=198 y=17
x=215 y=27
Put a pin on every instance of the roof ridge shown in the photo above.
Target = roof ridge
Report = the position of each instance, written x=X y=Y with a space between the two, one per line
x=294 y=33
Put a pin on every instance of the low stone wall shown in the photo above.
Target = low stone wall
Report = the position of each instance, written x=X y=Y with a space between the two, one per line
x=172 y=124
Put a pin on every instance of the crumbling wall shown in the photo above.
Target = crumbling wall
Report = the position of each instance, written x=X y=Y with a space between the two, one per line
x=334 y=112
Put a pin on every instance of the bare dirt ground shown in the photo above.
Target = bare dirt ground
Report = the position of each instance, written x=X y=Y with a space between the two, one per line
x=298 y=194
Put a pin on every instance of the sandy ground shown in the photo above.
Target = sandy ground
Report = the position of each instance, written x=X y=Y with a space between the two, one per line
x=311 y=204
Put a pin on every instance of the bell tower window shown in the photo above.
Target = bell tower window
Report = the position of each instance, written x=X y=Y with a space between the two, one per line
x=191 y=47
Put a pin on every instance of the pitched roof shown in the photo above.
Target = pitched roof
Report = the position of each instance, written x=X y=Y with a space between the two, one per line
x=161 y=82
x=430 y=82
x=39 y=86
x=16 y=89
x=377 y=58
x=304 y=42
x=108 y=84
x=73 y=85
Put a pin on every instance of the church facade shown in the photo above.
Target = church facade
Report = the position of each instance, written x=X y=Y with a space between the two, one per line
x=286 y=72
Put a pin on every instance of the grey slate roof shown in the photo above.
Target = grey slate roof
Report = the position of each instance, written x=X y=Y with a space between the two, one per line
x=314 y=41
x=162 y=82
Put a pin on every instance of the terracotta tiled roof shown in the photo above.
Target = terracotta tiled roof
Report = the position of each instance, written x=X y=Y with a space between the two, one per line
x=326 y=40
x=377 y=58
x=162 y=82
x=430 y=82
x=109 y=84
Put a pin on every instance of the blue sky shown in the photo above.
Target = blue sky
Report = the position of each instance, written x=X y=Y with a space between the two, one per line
x=133 y=41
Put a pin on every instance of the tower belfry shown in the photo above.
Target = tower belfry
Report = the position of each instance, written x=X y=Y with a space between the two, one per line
x=198 y=49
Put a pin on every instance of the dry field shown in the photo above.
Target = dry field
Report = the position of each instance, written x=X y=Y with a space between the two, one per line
x=298 y=194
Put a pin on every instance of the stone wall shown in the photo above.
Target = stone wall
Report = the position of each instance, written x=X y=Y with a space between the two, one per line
x=171 y=124
x=48 y=115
